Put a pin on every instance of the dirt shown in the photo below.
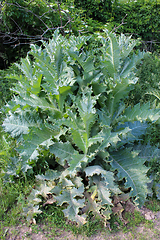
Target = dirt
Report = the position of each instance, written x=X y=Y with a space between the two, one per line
x=151 y=230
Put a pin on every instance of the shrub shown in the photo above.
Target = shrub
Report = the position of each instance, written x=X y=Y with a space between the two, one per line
x=141 y=21
x=98 y=10
x=140 y=18
x=70 y=103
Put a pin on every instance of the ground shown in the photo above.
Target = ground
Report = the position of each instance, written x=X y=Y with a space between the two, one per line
x=148 y=230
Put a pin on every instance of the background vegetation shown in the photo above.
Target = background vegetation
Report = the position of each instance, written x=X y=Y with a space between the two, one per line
x=23 y=22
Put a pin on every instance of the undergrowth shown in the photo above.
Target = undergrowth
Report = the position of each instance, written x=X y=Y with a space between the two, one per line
x=153 y=204
x=54 y=217
x=52 y=221
x=12 y=200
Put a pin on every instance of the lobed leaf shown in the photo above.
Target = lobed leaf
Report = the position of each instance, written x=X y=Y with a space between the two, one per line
x=131 y=167
x=70 y=197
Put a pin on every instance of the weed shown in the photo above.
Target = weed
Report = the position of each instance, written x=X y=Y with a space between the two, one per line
x=153 y=205
x=53 y=218
x=134 y=219
x=116 y=223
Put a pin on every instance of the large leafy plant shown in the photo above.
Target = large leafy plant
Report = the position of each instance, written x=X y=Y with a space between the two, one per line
x=70 y=103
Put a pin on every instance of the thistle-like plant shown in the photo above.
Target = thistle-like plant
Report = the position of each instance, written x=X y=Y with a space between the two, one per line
x=71 y=103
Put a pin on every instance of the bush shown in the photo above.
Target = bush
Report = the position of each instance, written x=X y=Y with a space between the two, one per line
x=141 y=21
x=25 y=22
x=140 y=18
x=98 y=10
x=69 y=103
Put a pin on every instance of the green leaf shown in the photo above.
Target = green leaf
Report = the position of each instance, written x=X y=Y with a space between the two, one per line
x=15 y=165
x=131 y=167
x=29 y=148
x=50 y=175
x=148 y=152
x=16 y=125
x=96 y=169
x=62 y=151
x=126 y=45
x=31 y=211
x=80 y=139
x=154 y=92
x=110 y=138
x=86 y=108
x=63 y=92
x=78 y=162
x=111 y=60
x=130 y=64
x=85 y=62
x=107 y=179
x=134 y=130
x=58 y=60
x=119 y=92
x=141 y=113
x=70 y=197
x=103 y=190
x=19 y=124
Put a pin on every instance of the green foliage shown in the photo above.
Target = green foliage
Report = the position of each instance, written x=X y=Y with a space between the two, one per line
x=7 y=144
x=149 y=78
x=25 y=14
x=6 y=84
x=70 y=103
x=152 y=156
x=25 y=22
x=134 y=219
x=130 y=220
x=52 y=217
x=98 y=10
x=141 y=20
x=21 y=22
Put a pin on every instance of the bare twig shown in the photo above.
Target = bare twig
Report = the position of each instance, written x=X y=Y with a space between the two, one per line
x=122 y=23
x=18 y=37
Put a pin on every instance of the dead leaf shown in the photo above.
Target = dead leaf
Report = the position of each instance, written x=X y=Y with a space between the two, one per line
x=118 y=209
x=49 y=201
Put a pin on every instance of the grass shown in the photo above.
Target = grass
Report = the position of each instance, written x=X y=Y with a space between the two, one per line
x=53 y=216
x=12 y=201
x=153 y=204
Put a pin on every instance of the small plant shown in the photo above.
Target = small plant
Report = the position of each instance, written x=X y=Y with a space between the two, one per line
x=134 y=219
x=153 y=204
x=70 y=103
